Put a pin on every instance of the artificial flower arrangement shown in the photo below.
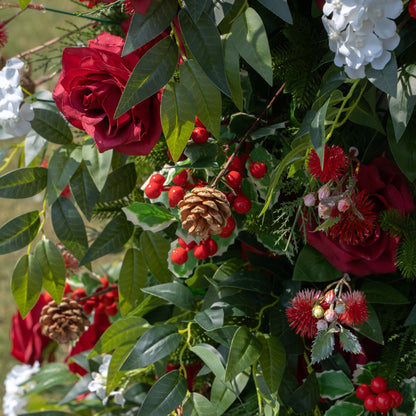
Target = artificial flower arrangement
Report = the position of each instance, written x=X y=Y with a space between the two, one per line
x=230 y=187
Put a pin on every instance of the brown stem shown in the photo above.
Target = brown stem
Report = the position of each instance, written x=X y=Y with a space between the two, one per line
x=99 y=293
x=248 y=132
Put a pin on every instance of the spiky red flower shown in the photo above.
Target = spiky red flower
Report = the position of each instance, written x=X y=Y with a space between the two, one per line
x=3 y=35
x=335 y=164
x=128 y=7
x=357 y=223
x=300 y=315
x=356 y=312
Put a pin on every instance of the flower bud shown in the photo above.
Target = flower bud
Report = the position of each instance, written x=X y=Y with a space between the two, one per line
x=325 y=210
x=324 y=192
x=309 y=200
x=330 y=315
x=318 y=311
x=353 y=151
x=321 y=325
x=340 y=308
x=329 y=297
x=343 y=205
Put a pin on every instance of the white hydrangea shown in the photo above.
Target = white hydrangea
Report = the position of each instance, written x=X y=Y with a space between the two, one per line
x=16 y=386
x=361 y=32
x=98 y=384
x=14 y=117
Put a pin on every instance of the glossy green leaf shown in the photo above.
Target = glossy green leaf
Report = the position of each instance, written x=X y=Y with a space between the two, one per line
x=23 y=183
x=345 y=409
x=306 y=397
x=317 y=131
x=152 y=72
x=113 y=237
x=174 y=292
x=84 y=191
x=165 y=395
x=80 y=387
x=195 y=8
x=19 y=232
x=69 y=227
x=198 y=405
x=232 y=70
x=205 y=97
x=312 y=266
x=245 y=350
x=246 y=280
x=280 y=8
x=385 y=79
x=411 y=318
x=98 y=164
x=230 y=12
x=178 y=117
x=150 y=217
x=145 y=27
x=114 y=377
x=204 y=42
x=51 y=126
x=62 y=165
x=26 y=283
x=211 y=357
x=119 y=184
x=322 y=346
x=53 y=268
x=371 y=328
x=155 y=249
x=383 y=293
x=49 y=413
x=334 y=384
x=272 y=361
x=199 y=279
x=210 y=319
x=132 y=278
x=156 y=343
x=250 y=39
x=124 y=331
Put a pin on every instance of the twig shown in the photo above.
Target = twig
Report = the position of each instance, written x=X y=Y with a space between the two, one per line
x=249 y=131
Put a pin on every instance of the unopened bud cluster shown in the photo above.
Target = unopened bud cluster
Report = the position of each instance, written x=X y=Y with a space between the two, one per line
x=332 y=307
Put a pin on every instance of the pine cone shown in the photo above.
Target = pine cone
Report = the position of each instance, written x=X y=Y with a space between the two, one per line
x=204 y=211
x=64 y=322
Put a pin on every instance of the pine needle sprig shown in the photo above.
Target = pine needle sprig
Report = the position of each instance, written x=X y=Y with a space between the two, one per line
x=406 y=256
x=396 y=224
x=106 y=210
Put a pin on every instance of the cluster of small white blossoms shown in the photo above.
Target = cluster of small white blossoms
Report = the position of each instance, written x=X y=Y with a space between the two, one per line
x=361 y=32
x=14 y=117
x=16 y=385
x=98 y=384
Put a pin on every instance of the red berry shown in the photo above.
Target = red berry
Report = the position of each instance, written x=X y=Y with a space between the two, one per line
x=230 y=196
x=258 y=169
x=176 y=194
x=89 y=306
x=153 y=190
x=112 y=309
x=198 y=122
x=79 y=293
x=104 y=283
x=228 y=229
x=108 y=298
x=412 y=8
x=237 y=164
x=397 y=398
x=179 y=255
x=182 y=243
x=212 y=247
x=363 y=391
x=234 y=179
x=201 y=251
x=242 y=204
x=370 y=403
x=158 y=178
x=181 y=178
x=378 y=385
x=383 y=402
x=200 y=135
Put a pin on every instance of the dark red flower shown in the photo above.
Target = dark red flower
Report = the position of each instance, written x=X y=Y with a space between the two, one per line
x=3 y=35
x=335 y=164
x=128 y=7
x=356 y=312
x=140 y=6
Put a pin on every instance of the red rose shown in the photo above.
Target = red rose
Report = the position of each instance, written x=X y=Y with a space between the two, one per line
x=387 y=188
x=89 y=89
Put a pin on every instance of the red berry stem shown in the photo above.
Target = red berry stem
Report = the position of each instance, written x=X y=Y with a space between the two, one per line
x=101 y=292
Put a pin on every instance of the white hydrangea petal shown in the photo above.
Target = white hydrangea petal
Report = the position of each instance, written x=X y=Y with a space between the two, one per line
x=355 y=73
x=392 y=8
x=380 y=62
x=14 y=63
x=391 y=43
x=26 y=112
x=17 y=127
x=384 y=28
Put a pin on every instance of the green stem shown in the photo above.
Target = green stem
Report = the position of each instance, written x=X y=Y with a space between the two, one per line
x=262 y=312
x=10 y=158
x=256 y=384
x=96 y=19
x=185 y=346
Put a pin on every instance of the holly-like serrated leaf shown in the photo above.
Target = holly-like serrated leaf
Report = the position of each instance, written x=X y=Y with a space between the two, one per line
x=23 y=183
x=328 y=223
x=334 y=384
x=349 y=342
x=322 y=346
x=51 y=126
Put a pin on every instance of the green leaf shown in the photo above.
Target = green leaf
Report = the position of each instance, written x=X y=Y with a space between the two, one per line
x=151 y=73
x=156 y=343
x=26 y=283
x=411 y=318
x=123 y=331
x=211 y=357
x=317 y=131
x=115 y=376
x=225 y=14
x=232 y=70
x=79 y=388
x=69 y=227
x=165 y=395
x=198 y=405
x=174 y=292
x=195 y=8
x=322 y=346
x=371 y=328
x=132 y=278
x=306 y=397
x=53 y=268
x=19 y=232
x=198 y=280
x=62 y=165
x=246 y=280
x=334 y=384
x=98 y=164
x=49 y=412
x=383 y=293
x=345 y=409
x=280 y=8
x=205 y=97
x=250 y=39
x=155 y=249
x=178 y=117
x=385 y=79
x=210 y=319
x=272 y=361
x=23 y=183
x=24 y=3
x=204 y=42
x=312 y=266
x=115 y=234
x=349 y=342
x=145 y=27
x=51 y=126
x=245 y=350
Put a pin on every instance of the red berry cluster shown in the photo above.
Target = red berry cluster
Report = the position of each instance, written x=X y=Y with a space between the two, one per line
x=200 y=134
x=107 y=300
x=203 y=250
x=377 y=398
x=412 y=8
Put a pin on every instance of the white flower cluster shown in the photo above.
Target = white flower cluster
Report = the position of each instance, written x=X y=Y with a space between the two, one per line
x=98 y=384
x=14 y=117
x=361 y=32
x=16 y=386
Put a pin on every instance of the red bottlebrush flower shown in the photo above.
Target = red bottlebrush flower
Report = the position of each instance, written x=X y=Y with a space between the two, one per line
x=335 y=164
x=300 y=315
x=3 y=35
x=356 y=308
x=357 y=223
